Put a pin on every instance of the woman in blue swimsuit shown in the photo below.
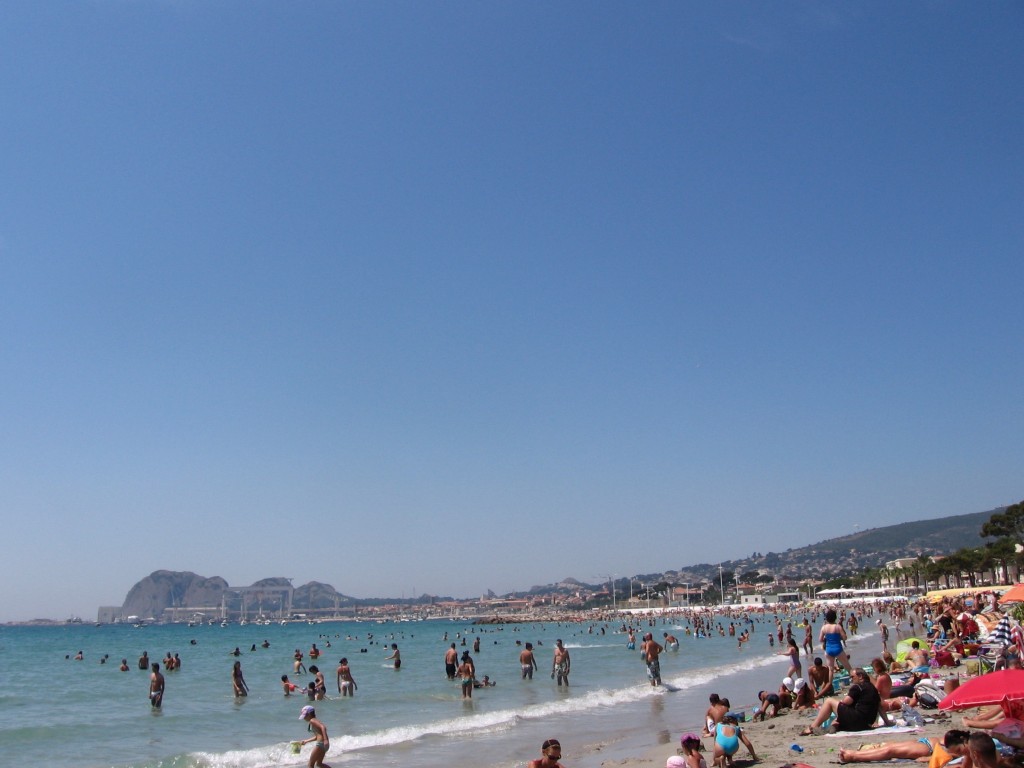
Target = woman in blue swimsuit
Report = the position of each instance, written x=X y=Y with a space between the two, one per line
x=831 y=637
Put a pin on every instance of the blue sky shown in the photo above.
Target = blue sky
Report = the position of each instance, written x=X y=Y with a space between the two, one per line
x=444 y=297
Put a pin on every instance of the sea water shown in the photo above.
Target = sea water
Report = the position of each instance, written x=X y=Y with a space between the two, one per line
x=88 y=714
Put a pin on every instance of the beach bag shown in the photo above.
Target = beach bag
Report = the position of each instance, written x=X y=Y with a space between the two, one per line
x=929 y=695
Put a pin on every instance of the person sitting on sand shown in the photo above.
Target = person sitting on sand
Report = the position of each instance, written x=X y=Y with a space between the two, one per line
x=551 y=753
x=804 y=697
x=716 y=712
x=892 y=664
x=918 y=656
x=857 y=711
x=692 y=758
x=821 y=680
x=935 y=752
x=883 y=684
x=728 y=736
x=786 y=693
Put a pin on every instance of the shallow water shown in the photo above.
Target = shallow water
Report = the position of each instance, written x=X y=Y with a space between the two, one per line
x=87 y=714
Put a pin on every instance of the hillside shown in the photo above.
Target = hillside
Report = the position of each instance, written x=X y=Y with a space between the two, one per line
x=848 y=554
x=871 y=548
x=831 y=558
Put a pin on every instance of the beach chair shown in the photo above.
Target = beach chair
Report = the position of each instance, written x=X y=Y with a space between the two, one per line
x=991 y=657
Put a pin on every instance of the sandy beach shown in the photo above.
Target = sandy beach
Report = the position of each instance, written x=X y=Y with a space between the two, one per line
x=773 y=740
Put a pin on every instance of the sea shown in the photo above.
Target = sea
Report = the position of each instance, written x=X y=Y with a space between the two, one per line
x=88 y=714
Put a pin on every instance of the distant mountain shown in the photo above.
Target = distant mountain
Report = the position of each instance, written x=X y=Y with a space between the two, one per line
x=832 y=558
x=152 y=596
x=163 y=589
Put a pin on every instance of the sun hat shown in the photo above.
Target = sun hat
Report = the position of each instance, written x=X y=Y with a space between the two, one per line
x=799 y=683
x=675 y=761
x=788 y=682
x=306 y=710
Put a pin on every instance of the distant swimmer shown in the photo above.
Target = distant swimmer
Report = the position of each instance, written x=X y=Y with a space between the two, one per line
x=144 y=661
x=300 y=668
x=395 y=655
x=527 y=661
x=671 y=641
x=156 y=687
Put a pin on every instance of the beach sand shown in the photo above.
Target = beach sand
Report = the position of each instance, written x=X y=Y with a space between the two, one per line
x=772 y=739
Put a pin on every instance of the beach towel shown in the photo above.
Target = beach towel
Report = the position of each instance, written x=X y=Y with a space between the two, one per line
x=873 y=731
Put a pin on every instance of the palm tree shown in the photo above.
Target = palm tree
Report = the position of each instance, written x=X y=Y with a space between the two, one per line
x=921 y=565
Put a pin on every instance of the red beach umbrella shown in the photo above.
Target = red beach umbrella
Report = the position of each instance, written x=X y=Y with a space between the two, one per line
x=1014 y=594
x=1005 y=688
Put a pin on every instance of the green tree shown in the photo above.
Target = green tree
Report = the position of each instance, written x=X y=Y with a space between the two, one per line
x=921 y=566
x=1007 y=524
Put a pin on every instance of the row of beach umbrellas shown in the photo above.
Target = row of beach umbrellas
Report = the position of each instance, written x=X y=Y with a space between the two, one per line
x=1005 y=687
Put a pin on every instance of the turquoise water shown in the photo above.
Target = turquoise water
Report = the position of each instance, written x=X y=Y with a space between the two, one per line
x=88 y=714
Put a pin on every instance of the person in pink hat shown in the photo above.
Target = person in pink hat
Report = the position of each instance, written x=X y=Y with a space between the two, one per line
x=691 y=757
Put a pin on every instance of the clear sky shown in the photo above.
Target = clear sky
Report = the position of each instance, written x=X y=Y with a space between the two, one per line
x=443 y=297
